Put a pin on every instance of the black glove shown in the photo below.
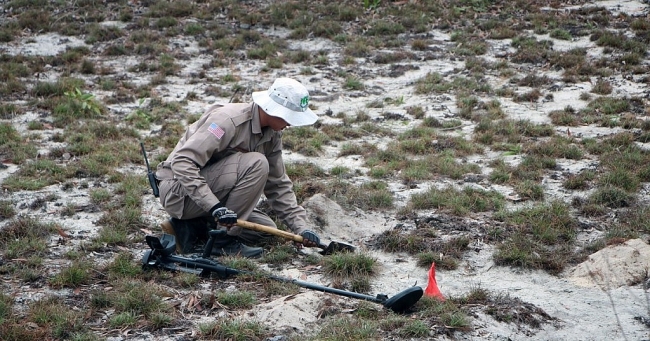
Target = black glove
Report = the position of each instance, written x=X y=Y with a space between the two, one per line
x=311 y=236
x=223 y=216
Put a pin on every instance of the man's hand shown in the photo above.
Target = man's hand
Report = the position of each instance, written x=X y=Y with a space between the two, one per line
x=225 y=217
x=310 y=238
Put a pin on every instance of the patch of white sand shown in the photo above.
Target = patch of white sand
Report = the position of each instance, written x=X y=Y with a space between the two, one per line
x=583 y=313
x=48 y=44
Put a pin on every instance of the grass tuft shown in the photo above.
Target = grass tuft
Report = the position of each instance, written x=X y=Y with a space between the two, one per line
x=458 y=202
x=341 y=329
x=24 y=237
x=233 y=329
x=73 y=276
x=541 y=239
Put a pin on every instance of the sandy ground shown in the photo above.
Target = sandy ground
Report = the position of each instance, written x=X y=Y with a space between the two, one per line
x=585 y=308
x=602 y=299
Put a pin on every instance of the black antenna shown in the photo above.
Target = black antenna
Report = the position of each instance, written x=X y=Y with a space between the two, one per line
x=153 y=182
x=233 y=94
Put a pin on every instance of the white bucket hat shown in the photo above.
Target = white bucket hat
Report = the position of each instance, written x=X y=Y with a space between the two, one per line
x=287 y=99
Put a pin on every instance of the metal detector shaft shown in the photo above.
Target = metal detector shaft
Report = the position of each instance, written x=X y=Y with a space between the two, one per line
x=223 y=271
x=162 y=256
x=379 y=299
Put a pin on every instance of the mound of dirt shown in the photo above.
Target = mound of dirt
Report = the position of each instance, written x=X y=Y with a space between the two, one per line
x=614 y=266
x=293 y=311
x=337 y=223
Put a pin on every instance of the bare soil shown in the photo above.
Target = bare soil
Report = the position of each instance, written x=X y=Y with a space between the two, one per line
x=603 y=298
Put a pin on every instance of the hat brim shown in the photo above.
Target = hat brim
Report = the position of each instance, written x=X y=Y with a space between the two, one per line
x=273 y=108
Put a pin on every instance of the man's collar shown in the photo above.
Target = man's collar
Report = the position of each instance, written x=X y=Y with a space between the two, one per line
x=256 y=127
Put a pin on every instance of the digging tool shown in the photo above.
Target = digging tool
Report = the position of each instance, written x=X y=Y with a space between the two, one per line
x=327 y=249
x=161 y=256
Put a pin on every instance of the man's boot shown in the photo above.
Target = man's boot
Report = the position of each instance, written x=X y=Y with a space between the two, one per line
x=189 y=233
x=168 y=228
x=226 y=245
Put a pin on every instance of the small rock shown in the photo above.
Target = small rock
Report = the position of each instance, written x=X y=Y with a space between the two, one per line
x=277 y=338
x=473 y=178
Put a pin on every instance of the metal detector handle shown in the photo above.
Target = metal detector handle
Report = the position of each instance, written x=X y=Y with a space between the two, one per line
x=153 y=182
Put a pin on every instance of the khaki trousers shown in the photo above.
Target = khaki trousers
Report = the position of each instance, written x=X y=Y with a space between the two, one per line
x=237 y=180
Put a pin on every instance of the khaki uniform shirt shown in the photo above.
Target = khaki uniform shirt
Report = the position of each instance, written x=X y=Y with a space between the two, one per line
x=224 y=130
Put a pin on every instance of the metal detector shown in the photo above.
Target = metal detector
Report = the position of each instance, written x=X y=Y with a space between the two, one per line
x=161 y=256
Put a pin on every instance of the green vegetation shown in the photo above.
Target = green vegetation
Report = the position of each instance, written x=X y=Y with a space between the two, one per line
x=237 y=330
x=458 y=202
x=13 y=146
x=306 y=140
x=348 y=265
x=25 y=237
x=72 y=120
x=541 y=239
x=73 y=276
x=6 y=209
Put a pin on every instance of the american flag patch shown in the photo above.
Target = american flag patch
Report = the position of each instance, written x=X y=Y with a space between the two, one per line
x=216 y=130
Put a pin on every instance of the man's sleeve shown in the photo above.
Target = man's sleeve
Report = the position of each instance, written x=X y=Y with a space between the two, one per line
x=207 y=138
x=279 y=192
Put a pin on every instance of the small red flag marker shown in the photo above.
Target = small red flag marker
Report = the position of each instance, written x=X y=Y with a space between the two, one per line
x=432 y=288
